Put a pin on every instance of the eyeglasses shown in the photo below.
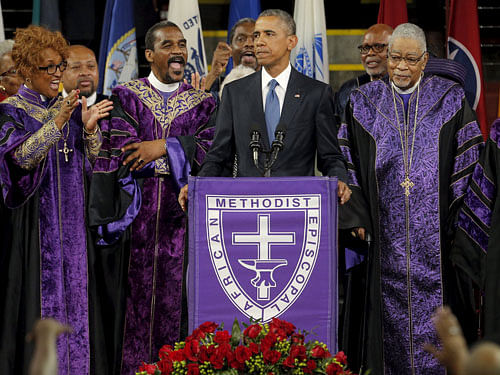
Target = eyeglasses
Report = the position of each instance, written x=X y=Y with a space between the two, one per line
x=364 y=49
x=52 y=69
x=409 y=60
x=9 y=73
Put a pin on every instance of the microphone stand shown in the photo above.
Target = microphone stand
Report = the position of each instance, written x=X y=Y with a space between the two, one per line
x=276 y=147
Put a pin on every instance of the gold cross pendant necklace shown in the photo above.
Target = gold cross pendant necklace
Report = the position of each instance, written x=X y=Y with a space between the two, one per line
x=406 y=183
x=66 y=150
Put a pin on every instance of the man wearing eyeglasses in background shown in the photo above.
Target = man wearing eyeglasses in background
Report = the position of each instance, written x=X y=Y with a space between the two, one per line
x=411 y=142
x=373 y=52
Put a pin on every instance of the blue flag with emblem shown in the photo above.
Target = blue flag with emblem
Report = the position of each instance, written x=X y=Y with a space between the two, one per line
x=310 y=56
x=118 y=52
x=239 y=9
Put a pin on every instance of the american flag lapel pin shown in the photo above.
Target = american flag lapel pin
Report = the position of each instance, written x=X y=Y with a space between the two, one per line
x=297 y=95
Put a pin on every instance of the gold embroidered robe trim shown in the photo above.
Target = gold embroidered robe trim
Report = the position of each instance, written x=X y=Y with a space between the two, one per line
x=33 y=150
x=93 y=144
x=176 y=105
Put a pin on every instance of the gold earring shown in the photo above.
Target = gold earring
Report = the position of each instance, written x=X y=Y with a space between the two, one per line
x=28 y=80
x=2 y=87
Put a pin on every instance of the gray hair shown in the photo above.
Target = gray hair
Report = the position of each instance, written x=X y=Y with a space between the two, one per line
x=284 y=16
x=6 y=46
x=241 y=21
x=409 y=31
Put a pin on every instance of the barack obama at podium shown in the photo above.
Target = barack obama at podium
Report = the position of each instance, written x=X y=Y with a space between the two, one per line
x=274 y=122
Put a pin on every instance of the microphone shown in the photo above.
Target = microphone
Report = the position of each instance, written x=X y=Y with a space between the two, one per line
x=279 y=136
x=276 y=146
x=255 y=145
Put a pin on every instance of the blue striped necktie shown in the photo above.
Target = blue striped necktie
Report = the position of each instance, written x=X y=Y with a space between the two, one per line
x=272 y=110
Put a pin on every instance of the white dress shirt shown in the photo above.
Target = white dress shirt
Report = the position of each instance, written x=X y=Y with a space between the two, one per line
x=90 y=100
x=280 y=89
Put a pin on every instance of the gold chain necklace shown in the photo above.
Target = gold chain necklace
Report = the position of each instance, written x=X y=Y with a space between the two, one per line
x=406 y=183
x=65 y=150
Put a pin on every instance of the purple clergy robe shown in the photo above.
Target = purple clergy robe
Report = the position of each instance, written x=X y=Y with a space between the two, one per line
x=476 y=248
x=45 y=265
x=156 y=245
x=409 y=271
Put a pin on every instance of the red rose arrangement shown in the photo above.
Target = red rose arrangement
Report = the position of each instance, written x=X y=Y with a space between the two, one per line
x=265 y=349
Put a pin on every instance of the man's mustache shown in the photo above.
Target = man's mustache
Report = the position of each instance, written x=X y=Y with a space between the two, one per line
x=177 y=59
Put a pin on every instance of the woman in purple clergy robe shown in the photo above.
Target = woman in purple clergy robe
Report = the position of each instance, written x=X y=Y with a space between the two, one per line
x=47 y=145
x=411 y=142
x=159 y=132
x=477 y=242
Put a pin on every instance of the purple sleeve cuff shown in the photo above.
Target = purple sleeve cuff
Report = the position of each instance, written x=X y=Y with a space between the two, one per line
x=352 y=258
x=110 y=233
x=179 y=166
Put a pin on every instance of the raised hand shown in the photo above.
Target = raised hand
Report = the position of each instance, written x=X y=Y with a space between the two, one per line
x=91 y=115
x=69 y=103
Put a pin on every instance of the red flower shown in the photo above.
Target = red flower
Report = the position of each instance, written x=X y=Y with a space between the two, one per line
x=224 y=350
x=253 y=347
x=165 y=351
x=298 y=351
x=216 y=361
x=271 y=357
x=289 y=362
x=191 y=350
x=298 y=338
x=150 y=369
x=177 y=355
x=192 y=369
x=334 y=369
x=208 y=327
x=203 y=354
x=252 y=331
x=197 y=334
x=268 y=341
x=222 y=337
x=310 y=366
x=165 y=366
x=341 y=357
x=281 y=328
x=319 y=352
x=242 y=354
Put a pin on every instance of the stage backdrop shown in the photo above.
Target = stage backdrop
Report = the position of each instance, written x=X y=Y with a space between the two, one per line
x=262 y=248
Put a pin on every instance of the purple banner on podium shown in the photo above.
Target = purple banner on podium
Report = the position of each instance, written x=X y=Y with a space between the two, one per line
x=262 y=248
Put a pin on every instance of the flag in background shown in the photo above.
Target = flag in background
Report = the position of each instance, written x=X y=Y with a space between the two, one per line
x=464 y=47
x=392 y=12
x=239 y=9
x=186 y=15
x=2 y=31
x=310 y=56
x=118 y=52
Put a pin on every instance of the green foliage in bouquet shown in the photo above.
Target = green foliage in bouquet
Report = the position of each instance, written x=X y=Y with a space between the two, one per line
x=262 y=349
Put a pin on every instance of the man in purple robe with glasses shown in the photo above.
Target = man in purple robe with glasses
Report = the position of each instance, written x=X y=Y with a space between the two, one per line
x=411 y=142
x=156 y=136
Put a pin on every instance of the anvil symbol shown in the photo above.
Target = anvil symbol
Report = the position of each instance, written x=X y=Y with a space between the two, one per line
x=264 y=266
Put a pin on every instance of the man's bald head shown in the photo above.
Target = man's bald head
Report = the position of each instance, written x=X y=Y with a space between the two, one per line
x=82 y=72
x=484 y=359
x=373 y=49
